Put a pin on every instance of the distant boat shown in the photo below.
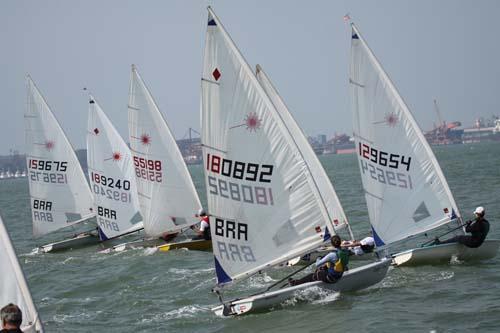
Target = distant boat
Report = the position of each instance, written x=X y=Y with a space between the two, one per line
x=59 y=193
x=112 y=177
x=268 y=199
x=405 y=189
x=13 y=287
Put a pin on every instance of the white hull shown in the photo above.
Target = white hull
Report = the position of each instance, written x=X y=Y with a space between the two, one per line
x=80 y=240
x=352 y=280
x=443 y=253
x=136 y=244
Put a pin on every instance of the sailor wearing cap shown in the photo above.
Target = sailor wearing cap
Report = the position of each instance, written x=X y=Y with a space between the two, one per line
x=203 y=232
x=478 y=229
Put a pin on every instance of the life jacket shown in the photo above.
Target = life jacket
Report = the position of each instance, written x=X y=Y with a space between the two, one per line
x=206 y=233
x=340 y=265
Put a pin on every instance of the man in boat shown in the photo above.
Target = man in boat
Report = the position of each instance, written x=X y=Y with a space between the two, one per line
x=360 y=247
x=478 y=229
x=12 y=317
x=203 y=231
x=330 y=268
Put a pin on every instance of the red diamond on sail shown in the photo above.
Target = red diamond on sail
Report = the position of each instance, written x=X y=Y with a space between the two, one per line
x=96 y=131
x=446 y=210
x=336 y=222
x=216 y=74
x=117 y=156
x=318 y=228
x=49 y=145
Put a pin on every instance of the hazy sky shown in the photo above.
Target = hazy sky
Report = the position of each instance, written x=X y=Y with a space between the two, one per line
x=446 y=50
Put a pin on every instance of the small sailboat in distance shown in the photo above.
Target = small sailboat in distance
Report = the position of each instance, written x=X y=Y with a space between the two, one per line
x=59 y=193
x=265 y=203
x=405 y=190
x=112 y=177
x=13 y=287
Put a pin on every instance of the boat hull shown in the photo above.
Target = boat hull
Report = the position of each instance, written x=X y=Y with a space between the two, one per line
x=160 y=245
x=198 y=245
x=352 y=280
x=443 y=253
x=80 y=240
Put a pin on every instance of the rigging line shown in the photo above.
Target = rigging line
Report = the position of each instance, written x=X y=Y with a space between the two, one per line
x=210 y=81
x=446 y=233
x=288 y=276
x=210 y=147
x=356 y=83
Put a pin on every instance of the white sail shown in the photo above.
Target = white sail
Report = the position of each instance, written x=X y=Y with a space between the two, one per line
x=264 y=204
x=321 y=180
x=405 y=189
x=13 y=286
x=112 y=177
x=167 y=194
x=60 y=195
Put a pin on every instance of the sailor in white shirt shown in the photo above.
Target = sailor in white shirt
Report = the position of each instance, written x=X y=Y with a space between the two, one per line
x=366 y=245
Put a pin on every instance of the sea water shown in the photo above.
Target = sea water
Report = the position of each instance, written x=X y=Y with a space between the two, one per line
x=146 y=291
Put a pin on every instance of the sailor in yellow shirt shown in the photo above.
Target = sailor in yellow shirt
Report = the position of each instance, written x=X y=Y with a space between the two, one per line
x=330 y=268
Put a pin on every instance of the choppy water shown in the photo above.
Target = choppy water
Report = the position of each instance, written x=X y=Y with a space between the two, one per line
x=140 y=291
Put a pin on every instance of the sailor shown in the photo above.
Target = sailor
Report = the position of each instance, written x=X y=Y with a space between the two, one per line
x=360 y=247
x=203 y=232
x=330 y=268
x=12 y=318
x=478 y=229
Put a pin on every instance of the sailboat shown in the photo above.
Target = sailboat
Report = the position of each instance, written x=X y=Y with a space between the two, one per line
x=405 y=189
x=14 y=288
x=112 y=177
x=60 y=195
x=167 y=196
x=265 y=203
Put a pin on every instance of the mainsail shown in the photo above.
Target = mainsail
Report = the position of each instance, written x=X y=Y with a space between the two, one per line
x=13 y=287
x=112 y=177
x=264 y=204
x=326 y=192
x=166 y=191
x=405 y=189
x=60 y=195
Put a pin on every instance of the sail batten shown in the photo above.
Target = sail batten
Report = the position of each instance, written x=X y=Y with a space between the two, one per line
x=60 y=195
x=405 y=189
x=264 y=206
x=167 y=195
